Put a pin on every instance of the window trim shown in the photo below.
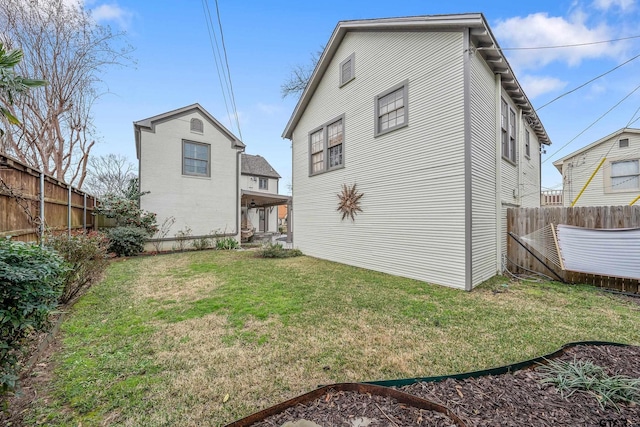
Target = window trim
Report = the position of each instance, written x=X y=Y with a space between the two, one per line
x=626 y=142
x=351 y=58
x=198 y=175
x=405 y=104
x=196 y=120
x=527 y=144
x=325 y=146
x=608 y=178
x=262 y=179
x=511 y=156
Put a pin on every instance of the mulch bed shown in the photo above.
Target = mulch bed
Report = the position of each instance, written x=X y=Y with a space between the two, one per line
x=516 y=399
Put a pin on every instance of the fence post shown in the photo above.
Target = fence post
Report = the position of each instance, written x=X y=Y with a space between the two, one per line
x=41 y=208
x=84 y=214
x=69 y=213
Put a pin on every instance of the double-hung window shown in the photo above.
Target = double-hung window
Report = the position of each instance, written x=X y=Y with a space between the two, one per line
x=263 y=183
x=196 y=158
x=625 y=175
x=326 y=147
x=508 y=127
x=392 y=109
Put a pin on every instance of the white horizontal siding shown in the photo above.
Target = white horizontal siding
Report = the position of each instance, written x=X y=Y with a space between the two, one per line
x=483 y=171
x=412 y=179
x=578 y=169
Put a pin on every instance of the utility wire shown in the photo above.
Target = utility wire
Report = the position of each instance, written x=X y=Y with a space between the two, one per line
x=561 y=46
x=207 y=16
x=590 y=81
x=226 y=59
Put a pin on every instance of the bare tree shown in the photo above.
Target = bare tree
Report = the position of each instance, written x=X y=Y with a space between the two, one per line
x=109 y=174
x=300 y=76
x=63 y=45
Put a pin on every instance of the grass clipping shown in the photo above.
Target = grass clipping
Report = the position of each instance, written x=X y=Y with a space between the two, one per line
x=584 y=376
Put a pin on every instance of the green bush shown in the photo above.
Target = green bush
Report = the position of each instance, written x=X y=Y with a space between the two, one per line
x=226 y=243
x=31 y=282
x=86 y=254
x=127 y=213
x=276 y=250
x=126 y=241
x=201 y=243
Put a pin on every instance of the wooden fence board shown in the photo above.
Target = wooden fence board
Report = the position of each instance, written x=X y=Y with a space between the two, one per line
x=24 y=181
x=523 y=221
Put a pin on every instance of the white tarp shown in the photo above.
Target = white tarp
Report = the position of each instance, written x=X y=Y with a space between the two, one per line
x=605 y=252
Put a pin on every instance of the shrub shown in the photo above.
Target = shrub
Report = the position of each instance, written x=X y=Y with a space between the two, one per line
x=85 y=254
x=181 y=238
x=126 y=241
x=31 y=282
x=201 y=243
x=127 y=213
x=276 y=250
x=226 y=243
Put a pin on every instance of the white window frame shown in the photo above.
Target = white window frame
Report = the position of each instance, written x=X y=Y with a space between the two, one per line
x=263 y=183
x=609 y=176
x=196 y=125
x=351 y=61
x=509 y=132
x=402 y=88
x=207 y=160
x=527 y=144
x=325 y=149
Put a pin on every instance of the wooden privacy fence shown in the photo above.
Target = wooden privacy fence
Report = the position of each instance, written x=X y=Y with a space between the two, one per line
x=31 y=202
x=523 y=221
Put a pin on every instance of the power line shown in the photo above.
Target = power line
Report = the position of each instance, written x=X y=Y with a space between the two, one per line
x=570 y=45
x=226 y=59
x=590 y=81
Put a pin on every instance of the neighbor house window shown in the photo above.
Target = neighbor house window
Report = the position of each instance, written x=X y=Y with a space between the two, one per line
x=527 y=144
x=508 y=126
x=197 y=126
x=348 y=70
x=196 y=158
x=625 y=175
x=623 y=143
x=263 y=183
x=326 y=147
x=391 y=109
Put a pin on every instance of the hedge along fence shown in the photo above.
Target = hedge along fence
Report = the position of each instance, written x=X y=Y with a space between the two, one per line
x=523 y=221
x=31 y=202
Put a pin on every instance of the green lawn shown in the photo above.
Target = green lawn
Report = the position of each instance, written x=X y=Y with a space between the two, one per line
x=205 y=338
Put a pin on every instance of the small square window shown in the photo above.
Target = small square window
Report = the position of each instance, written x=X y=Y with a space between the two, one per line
x=391 y=109
x=348 y=69
x=623 y=143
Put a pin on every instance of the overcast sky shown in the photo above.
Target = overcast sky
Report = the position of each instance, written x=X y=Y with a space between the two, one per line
x=264 y=39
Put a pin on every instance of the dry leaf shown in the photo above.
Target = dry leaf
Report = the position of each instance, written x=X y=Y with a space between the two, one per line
x=226 y=397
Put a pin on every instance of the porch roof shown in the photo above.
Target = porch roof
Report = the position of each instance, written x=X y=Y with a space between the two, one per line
x=256 y=199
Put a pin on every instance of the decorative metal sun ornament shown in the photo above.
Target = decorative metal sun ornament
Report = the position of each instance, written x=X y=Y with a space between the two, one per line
x=349 y=203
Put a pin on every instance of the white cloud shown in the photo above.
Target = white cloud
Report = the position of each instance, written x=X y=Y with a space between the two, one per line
x=537 y=85
x=112 y=13
x=540 y=29
x=605 y=5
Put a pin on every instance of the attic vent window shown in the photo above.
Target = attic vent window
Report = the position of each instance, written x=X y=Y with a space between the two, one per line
x=623 y=143
x=197 y=126
x=348 y=69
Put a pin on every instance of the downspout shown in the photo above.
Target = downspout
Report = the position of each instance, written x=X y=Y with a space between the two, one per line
x=498 y=106
x=468 y=208
x=238 y=208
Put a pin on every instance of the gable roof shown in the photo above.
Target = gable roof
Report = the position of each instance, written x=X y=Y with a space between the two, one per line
x=257 y=165
x=480 y=34
x=149 y=123
x=558 y=163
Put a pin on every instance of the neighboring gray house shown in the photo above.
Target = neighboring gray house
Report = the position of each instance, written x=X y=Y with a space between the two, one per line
x=195 y=171
x=259 y=180
x=425 y=115
x=615 y=159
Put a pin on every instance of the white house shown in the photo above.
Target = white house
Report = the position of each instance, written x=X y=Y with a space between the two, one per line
x=613 y=165
x=190 y=165
x=426 y=117
x=257 y=180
